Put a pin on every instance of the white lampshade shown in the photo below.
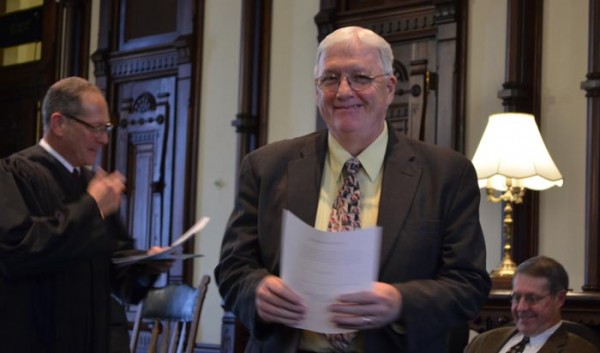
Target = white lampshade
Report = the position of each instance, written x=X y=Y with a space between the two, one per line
x=512 y=147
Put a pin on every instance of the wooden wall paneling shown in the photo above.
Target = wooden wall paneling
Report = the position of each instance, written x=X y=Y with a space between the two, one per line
x=450 y=19
x=148 y=75
x=145 y=126
x=22 y=86
x=521 y=93
x=592 y=88
x=75 y=38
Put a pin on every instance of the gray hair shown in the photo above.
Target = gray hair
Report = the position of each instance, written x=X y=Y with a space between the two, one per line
x=353 y=34
x=64 y=97
x=548 y=268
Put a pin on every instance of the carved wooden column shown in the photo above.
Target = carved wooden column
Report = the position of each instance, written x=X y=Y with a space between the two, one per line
x=521 y=93
x=592 y=88
x=253 y=99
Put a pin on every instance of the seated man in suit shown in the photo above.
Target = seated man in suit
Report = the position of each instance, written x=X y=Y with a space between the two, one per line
x=539 y=291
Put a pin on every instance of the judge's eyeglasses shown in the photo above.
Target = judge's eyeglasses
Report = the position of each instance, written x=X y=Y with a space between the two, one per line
x=95 y=129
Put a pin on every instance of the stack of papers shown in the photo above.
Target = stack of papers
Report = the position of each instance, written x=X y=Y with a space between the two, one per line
x=168 y=253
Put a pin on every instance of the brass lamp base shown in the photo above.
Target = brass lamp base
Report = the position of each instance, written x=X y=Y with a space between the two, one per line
x=503 y=274
x=506 y=268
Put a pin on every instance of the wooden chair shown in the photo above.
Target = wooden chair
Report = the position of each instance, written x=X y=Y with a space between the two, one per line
x=174 y=312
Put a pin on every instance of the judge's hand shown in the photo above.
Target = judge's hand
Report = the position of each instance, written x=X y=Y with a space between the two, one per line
x=107 y=189
x=369 y=309
x=277 y=303
x=157 y=267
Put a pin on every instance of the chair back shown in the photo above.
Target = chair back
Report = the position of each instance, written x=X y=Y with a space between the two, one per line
x=174 y=312
x=583 y=331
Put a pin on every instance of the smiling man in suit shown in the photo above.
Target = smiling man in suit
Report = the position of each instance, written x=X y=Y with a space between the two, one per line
x=539 y=290
x=432 y=271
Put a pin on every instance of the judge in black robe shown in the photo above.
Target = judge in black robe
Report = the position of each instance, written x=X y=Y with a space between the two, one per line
x=56 y=276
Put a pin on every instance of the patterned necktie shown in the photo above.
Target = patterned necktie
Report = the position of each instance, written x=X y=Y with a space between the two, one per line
x=345 y=215
x=519 y=347
x=345 y=212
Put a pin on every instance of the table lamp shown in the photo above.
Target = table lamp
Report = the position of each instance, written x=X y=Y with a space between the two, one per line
x=510 y=158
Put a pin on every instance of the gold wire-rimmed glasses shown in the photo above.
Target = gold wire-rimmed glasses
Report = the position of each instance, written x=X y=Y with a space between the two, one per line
x=529 y=298
x=330 y=82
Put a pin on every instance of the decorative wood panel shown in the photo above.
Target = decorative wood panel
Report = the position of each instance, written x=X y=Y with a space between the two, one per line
x=149 y=71
x=145 y=118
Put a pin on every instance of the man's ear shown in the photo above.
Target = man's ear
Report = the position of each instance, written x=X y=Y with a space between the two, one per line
x=391 y=86
x=562 y=297
x=57 y=124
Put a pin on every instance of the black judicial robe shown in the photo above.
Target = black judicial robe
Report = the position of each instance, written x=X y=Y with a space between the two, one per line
x=56 y=276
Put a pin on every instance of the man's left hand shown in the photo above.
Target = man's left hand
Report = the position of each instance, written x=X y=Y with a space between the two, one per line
x=368 y=309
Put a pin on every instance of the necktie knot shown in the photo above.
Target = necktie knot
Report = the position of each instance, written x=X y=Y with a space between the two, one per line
x=75 y=173
x=519 y=347
x=352 y=166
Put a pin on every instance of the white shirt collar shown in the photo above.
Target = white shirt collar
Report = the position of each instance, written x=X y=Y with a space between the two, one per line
x=535 y=342
x=44 y=144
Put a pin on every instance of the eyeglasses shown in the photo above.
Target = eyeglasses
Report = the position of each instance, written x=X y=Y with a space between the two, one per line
x=331 y=82
x=530 y=299
x=96 y=130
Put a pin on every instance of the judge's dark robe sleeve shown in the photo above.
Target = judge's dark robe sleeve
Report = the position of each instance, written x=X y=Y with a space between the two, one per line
x=40 y=234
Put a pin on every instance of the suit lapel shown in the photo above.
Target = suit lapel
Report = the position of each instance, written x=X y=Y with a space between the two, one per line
x=399 y=184
x=556 y=342
x=400 y=181
x=304 y=178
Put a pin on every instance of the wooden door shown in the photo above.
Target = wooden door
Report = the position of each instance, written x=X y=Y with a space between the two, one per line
x=145 y=155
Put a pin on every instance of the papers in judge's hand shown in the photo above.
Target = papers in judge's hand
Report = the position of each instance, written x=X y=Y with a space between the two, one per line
x=172 y=252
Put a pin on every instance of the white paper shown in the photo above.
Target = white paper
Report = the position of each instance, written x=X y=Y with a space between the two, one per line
x=168 y=253
x=319 y=266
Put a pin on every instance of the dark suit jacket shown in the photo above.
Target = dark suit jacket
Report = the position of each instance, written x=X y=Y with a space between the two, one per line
x=561 y=341
x=432 y=244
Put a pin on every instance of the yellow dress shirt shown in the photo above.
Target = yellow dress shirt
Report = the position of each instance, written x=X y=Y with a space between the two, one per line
x=369 y=179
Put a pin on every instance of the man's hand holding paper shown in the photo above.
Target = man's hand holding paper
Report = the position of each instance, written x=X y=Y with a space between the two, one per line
x=333 y=273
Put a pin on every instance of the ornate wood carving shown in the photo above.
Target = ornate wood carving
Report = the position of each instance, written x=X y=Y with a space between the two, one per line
x=149 y=73
x=130 y=65
x=144 y=122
